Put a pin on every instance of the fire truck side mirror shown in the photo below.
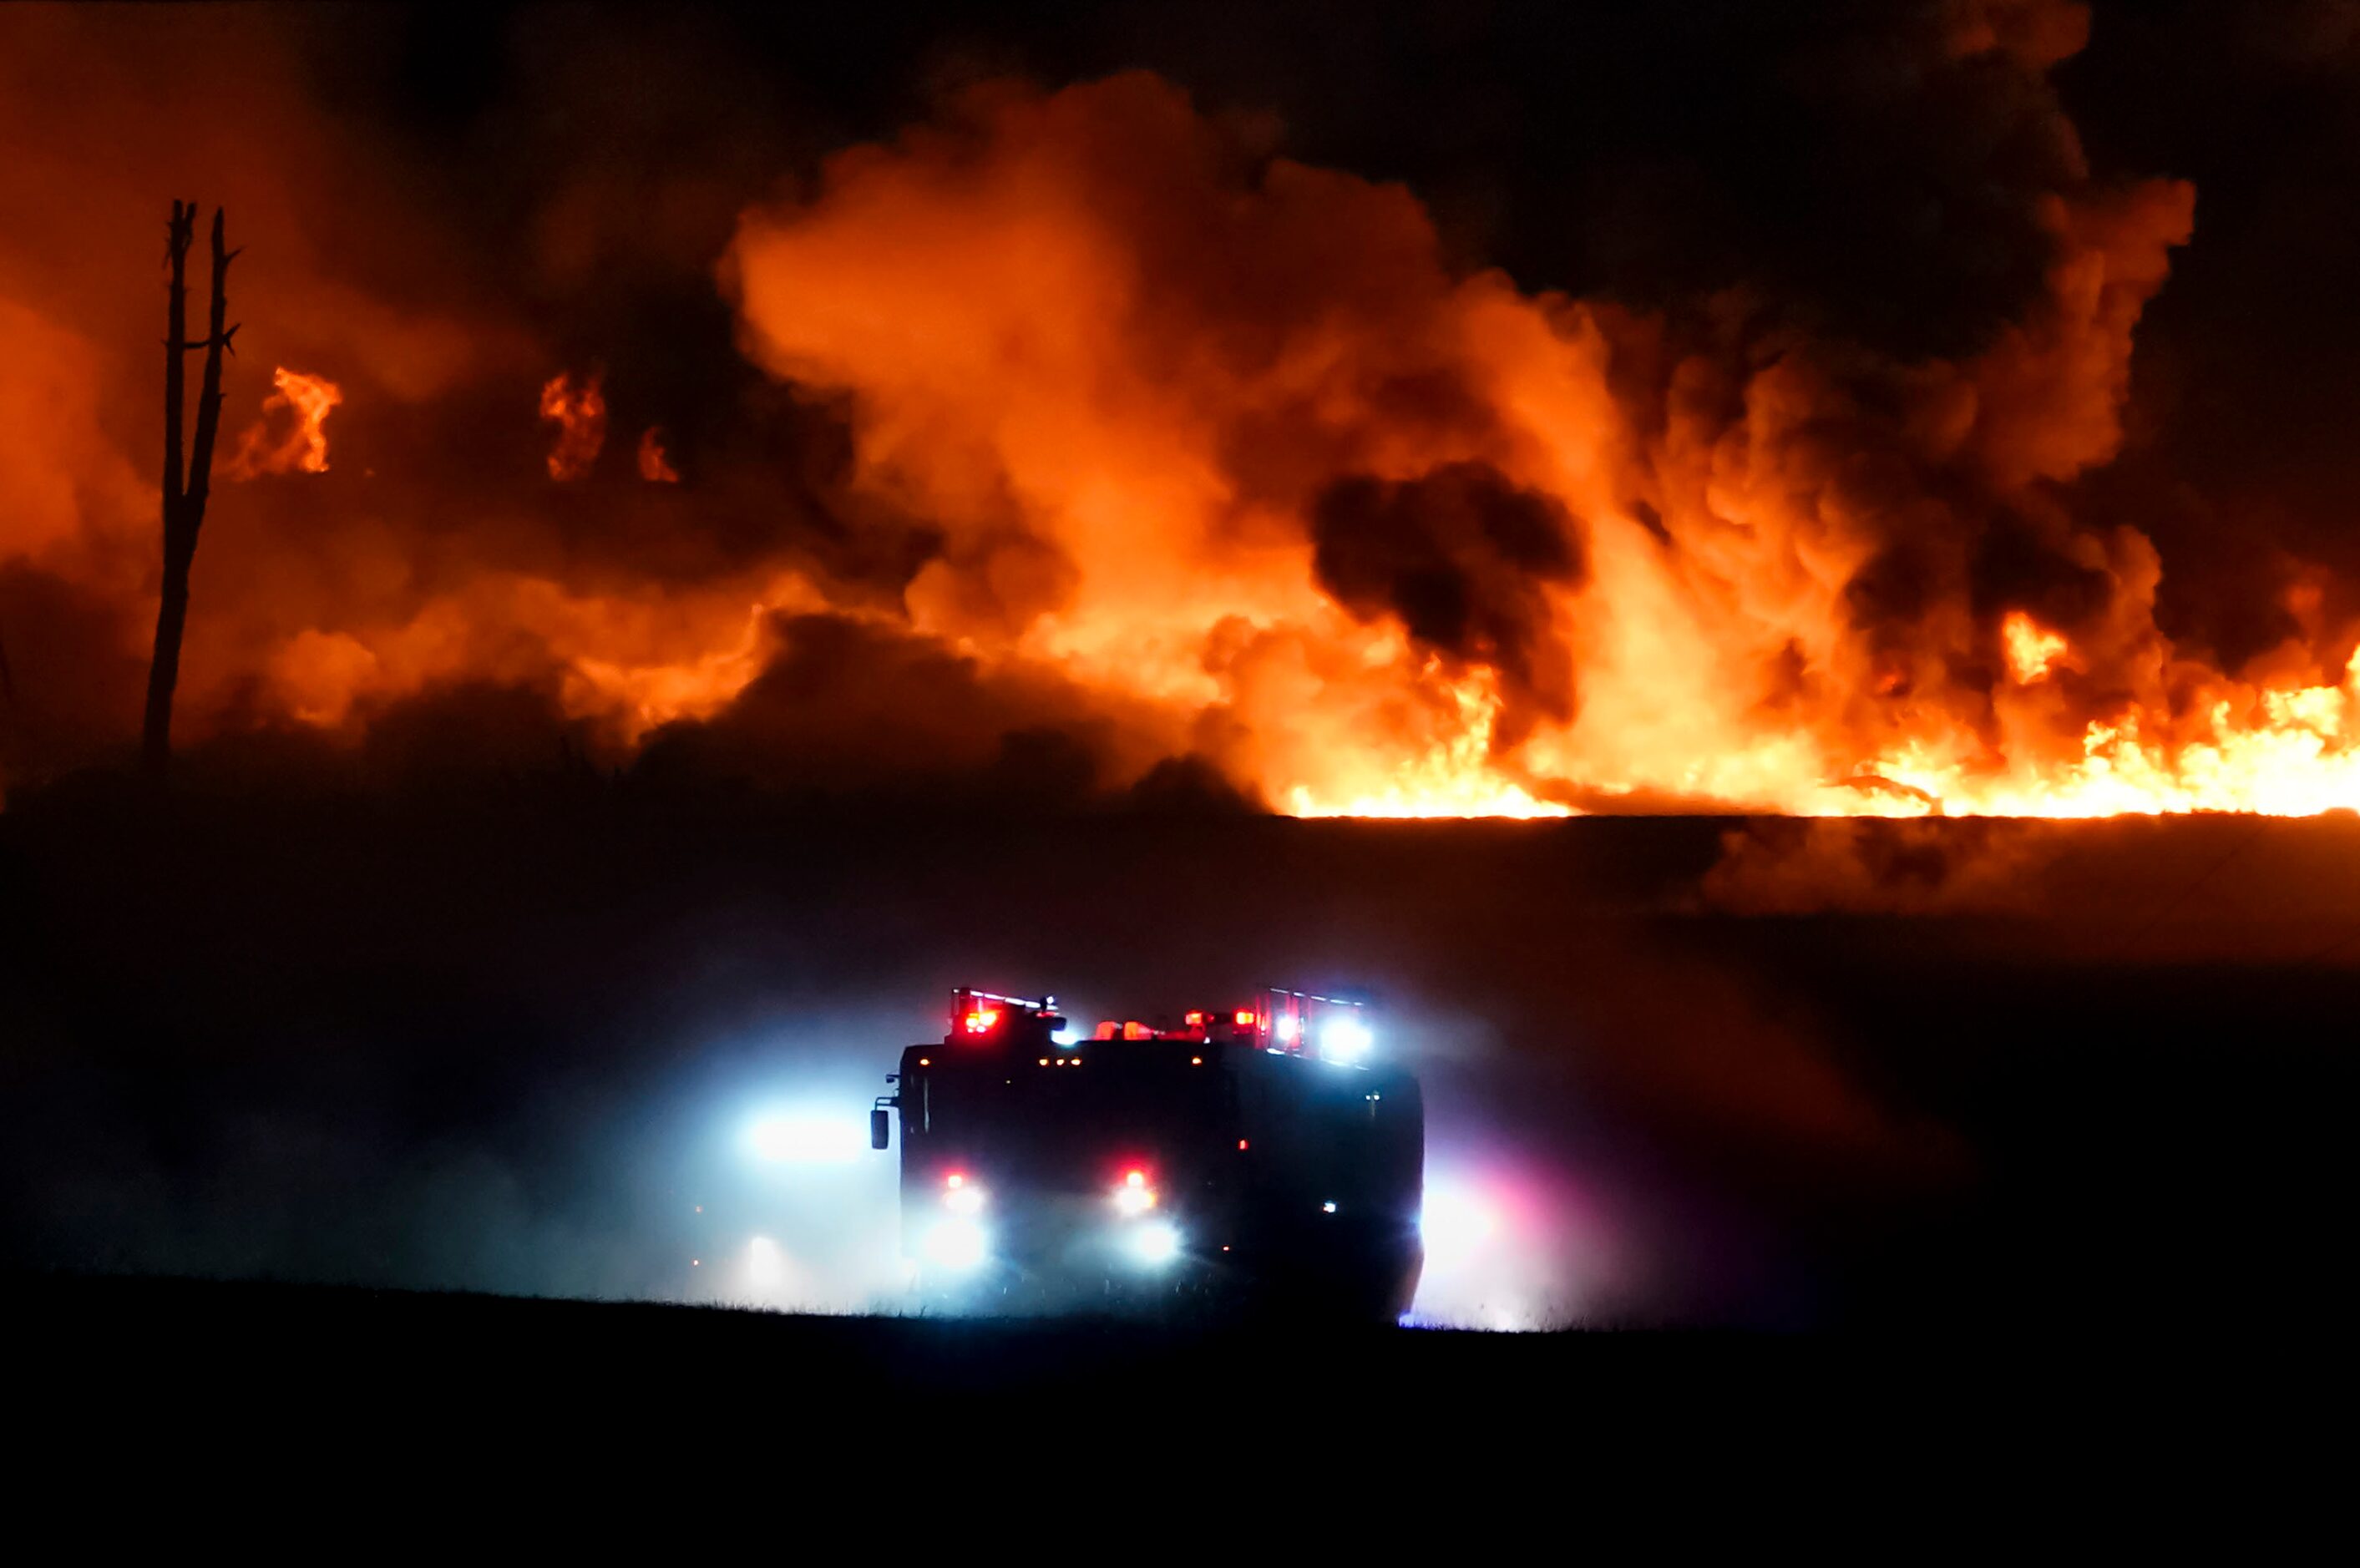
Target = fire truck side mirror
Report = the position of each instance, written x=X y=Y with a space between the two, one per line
x=881 y=1128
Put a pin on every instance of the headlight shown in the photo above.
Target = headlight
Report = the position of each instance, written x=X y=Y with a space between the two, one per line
x=1156 y=1245
x=1454 y=1222
x=1133 y=1197
x=962 y=1196
x=958 y=1244
x=809 y=1136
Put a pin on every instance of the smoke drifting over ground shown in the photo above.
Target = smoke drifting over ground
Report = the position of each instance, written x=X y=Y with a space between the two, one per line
x=1784 y=866
x=589 y=1043
x=1150 y=395
x=585 y=1040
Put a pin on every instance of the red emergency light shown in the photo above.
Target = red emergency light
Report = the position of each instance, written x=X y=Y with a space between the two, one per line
x=1196 y=1023
x=976 y=1016
x=1135 y=1193
x=1293 y=1022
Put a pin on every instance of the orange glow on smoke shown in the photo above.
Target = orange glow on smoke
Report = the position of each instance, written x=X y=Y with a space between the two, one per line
x=1018 y=323
x=628 y=664
x=1221 y=452
x=297 y=442
x=579 y=411
x=654 y=466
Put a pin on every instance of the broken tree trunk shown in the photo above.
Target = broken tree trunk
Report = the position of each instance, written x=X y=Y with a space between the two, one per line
x=184 y=497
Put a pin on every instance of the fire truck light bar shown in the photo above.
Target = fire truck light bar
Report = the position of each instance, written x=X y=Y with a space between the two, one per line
x=977 y=1012
x=1045 y=1005
x=1294 y=1022
x=1315 y=996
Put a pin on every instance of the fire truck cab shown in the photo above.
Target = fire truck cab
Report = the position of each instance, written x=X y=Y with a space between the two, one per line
x=1253 y=1155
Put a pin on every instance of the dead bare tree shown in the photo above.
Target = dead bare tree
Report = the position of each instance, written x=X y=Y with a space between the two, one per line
x=184 y=499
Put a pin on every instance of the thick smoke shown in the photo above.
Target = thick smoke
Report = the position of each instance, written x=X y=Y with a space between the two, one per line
x=1799 y=550
x=1464 y=561
x=855 y=709
x=1782 y=867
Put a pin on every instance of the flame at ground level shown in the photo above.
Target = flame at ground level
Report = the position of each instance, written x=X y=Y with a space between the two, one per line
x=636 y=666
x=2290 y=754
x=2285 y=751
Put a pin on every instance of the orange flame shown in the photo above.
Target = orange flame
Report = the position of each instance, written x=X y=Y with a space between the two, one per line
x=2032 y=648
x=654 y=467
x=579 y=411
x=301 y=446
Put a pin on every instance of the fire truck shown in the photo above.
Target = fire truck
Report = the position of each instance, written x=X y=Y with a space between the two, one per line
x=1255 y=1154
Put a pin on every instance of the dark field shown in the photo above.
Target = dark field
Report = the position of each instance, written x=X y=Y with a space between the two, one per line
x=557 y=1418
x=1977 y=1081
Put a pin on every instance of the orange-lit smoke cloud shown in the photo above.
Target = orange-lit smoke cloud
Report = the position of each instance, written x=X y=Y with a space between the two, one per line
x=412 y=560
x=1180 y=451
x=300 y=409
x=1225 y=436
x=579 y=410
x=101 y=112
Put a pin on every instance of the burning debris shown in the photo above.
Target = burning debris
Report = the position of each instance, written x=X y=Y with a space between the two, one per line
x=579 y=410
x=2032 y=650
x=654 y=466
x=291 y=436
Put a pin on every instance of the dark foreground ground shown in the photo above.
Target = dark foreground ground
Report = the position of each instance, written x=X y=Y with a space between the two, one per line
x=348 y=1373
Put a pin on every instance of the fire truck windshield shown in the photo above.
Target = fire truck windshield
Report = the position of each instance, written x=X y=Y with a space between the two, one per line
x=1063 y=1125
